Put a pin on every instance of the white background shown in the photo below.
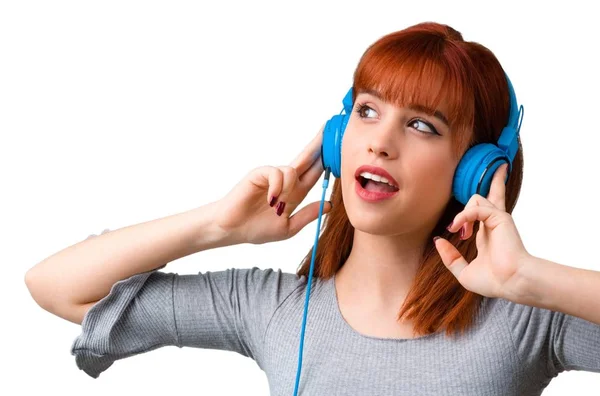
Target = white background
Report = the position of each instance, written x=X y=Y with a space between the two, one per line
x=117 y=112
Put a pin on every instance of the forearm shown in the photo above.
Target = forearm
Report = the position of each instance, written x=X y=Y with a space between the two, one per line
x=86 y=271
x=546 y=284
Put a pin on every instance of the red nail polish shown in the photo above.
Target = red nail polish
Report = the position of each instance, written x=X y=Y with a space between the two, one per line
x=273 y=200
x=280 y=207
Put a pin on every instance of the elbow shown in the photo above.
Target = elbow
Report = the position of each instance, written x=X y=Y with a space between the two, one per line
x=30 y=277
x=32 y=283
x=42 y=295
x=38 y=291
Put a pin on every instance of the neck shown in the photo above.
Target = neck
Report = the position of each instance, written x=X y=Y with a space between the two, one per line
x=381 y=269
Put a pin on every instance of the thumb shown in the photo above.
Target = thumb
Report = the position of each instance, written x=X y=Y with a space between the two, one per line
x=306 y=215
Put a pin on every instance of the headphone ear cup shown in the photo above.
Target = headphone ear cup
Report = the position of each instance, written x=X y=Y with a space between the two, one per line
x=331 y=147
x=476 y=171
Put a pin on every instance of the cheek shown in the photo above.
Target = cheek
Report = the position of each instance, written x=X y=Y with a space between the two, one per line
x=427 y=173
x=349 y=157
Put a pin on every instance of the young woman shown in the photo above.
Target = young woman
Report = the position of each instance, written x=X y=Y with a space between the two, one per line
x=392 y=311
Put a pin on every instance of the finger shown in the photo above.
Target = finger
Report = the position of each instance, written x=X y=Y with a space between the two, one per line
x=311 y=152
x=275 y=183
x=310 y=177
x=488 y=215
x=451 y=257
x=290 y=179
x=467 y=228
x=306 y=215
x=498 y=189
x=304 y=184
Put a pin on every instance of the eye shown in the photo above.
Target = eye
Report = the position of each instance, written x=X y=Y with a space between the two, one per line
x=430 y=129
x=415 y=123
x=360 y=108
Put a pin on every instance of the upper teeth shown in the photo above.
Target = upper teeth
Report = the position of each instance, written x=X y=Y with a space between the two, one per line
x=377 y=178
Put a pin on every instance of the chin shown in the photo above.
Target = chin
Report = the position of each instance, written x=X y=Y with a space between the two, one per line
x=374 y=223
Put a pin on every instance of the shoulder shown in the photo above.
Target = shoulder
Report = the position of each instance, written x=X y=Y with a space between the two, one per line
x=262 y=288
x=261 y=280
x=550 y=340
x=526 y=323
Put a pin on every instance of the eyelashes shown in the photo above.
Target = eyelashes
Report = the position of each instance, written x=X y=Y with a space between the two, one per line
x=361 y=107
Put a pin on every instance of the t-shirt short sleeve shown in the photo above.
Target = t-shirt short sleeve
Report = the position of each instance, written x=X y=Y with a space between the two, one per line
x=553 y=341
x=226 y=310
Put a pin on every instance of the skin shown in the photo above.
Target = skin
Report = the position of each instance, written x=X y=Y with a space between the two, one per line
x=390 y=234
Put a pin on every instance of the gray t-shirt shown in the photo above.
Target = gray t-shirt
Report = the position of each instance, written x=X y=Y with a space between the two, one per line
x=513 y=349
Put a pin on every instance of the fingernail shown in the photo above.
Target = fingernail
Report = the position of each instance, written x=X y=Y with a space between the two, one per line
x=450 y=225
x=462 y=232
x=272 y=202
x=280 y=207
x=435 y=239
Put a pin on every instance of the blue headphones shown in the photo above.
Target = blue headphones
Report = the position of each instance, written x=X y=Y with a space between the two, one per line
x=476 y=169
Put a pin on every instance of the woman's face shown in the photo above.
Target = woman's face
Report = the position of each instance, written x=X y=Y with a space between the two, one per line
x=404 y=142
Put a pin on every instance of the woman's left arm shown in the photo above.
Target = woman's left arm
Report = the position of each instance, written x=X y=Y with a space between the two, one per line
x=546 y=284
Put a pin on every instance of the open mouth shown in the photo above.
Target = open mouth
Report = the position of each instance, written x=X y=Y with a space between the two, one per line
x=362 y=181
x=375 y=186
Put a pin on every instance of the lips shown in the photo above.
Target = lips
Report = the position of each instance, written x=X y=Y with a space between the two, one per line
x=376 y=171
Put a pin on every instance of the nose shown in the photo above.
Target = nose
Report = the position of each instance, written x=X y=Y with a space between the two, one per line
x=383 y=141
x=378 y=151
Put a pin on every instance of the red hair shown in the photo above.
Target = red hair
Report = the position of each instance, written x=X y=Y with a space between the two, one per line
x=426 y=64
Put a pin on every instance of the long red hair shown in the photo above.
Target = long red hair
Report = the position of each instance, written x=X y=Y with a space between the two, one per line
x=425 y=64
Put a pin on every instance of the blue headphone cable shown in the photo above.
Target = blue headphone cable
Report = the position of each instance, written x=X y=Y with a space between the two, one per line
x=310 y=276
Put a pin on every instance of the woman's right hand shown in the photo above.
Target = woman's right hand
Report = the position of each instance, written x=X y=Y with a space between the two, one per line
x=245 y=213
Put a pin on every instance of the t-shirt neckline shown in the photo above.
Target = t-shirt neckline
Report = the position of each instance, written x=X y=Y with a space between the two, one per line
x=344 y=324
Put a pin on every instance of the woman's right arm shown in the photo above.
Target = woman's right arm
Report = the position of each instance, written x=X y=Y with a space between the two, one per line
x=71 y=281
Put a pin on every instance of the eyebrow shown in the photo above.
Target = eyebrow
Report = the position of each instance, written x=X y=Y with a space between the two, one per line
x=416 y=107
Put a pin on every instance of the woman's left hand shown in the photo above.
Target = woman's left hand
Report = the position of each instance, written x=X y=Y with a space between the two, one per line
x=500 y=251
